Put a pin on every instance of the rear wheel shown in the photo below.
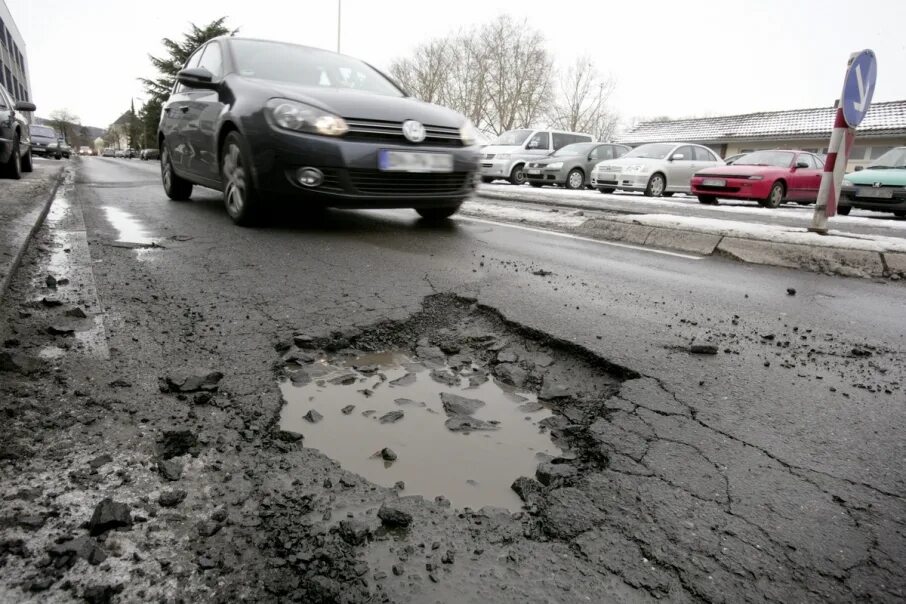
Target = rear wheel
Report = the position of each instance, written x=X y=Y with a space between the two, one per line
x=775 y=197
x=708 y=200
x=606 y=190
x=241 y=198
x=27 y=164
x=438 y=213
x=13 y=167
x=575 y=179
x=656 y=185
x=844 y=210
x=176 y=188
x=668 y=194
x=517 y=176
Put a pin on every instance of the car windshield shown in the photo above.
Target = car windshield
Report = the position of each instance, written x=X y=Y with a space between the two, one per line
x=512 y=137
x=308 y=67
x=895 y=158
x=42 y=131
x=781 y=159
x=651 y=151
x=575 y=149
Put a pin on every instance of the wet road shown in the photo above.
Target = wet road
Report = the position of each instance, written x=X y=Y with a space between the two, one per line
x=798 y=418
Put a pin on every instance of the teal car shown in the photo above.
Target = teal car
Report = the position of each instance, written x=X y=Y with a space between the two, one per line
x=880 y=187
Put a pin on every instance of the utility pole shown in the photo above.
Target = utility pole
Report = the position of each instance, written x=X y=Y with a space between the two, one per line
x=339 y=14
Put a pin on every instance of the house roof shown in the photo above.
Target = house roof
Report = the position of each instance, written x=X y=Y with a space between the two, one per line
x=882 y=119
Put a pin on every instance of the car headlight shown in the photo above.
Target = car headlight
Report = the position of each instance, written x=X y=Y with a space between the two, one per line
x=554 y=166
x=847 y=183
x=299 y=117
x=468 y=133
x=638 y=169
x=503 y=156
x=756 y=177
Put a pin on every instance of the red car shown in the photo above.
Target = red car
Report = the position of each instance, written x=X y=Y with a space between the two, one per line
x=768 y=177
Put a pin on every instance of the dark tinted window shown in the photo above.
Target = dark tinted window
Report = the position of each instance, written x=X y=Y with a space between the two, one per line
x=561 y=140
x=620 y=150
x=702 y=154
x=192 y=62
x=541 y=140
x=687 y=152
x=582 y=138
x=212 y=60
x=602 y=152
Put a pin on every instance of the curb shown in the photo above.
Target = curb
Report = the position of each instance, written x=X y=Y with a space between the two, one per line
x=823 y=259
x=39 y=220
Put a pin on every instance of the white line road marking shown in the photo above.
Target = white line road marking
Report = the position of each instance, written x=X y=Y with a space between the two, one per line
x=580 y=238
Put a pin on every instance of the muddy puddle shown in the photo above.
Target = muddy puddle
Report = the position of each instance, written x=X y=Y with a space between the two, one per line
x=453 y=430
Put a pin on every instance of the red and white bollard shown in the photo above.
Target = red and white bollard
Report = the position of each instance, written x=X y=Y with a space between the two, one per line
x=841 y=144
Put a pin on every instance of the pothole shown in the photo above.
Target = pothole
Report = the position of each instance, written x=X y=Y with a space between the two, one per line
x=454 y=402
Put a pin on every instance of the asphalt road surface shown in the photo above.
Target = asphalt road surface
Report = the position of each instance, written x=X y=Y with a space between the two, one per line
x=772 y=470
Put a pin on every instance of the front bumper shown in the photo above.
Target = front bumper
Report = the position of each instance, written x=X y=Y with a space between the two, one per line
x=43 y=150
x=733 y=188
x=545 y=176
x=625 y=181
x=496 y=168
x=855 y=197
x=351 y=175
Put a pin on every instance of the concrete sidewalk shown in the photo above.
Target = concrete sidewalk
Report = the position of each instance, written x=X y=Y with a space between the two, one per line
x=23 y=206
x=848 y=254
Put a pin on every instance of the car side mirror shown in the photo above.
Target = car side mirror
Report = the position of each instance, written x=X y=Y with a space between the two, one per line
x=197 y=77
x=802 y=164
x=859 y=168
x=677 y=156
x=25 y=106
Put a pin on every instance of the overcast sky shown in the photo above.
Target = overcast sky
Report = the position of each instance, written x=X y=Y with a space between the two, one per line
x=677 y=58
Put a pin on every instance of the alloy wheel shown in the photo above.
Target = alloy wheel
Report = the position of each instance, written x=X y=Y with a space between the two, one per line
x=575 y=179
x=234 y=173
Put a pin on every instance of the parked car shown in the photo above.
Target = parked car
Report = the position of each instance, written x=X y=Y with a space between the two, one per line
x=130 y=153
x=15 y=141
x=880 y=187
x=84 y=150
x=571 y=165
x=506 y=157
x=108 y=152
x=729 y=160
x=258 y=119
x=119 y=153
x=768 y=177
x=44 y=141
x=657 y=169
x=60 y=149
x=150 y=154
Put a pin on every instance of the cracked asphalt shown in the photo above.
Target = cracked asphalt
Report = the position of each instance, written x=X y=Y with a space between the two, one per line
x=772 y=470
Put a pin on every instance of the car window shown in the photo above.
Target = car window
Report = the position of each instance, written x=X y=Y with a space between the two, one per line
x=602 y=152
x=192 y=62
x=806 y=159
x=620 y=150
x=541 y=140
x=702 y=154
x=212 y=60
x=582 y=138
x=687 y=152
x=818 y=162
x=561 y=140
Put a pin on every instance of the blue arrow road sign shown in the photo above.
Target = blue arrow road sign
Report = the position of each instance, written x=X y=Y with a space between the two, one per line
x=859 y=86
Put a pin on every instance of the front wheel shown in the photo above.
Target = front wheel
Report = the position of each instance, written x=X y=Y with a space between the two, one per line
x=537 y=185
x=708 y=200
x=575 y=179
x=775 y=197
x=13 y=167
x=438 y=213
x=27 y=164
x=656 y=185
x=606 y=190
x=176 y=188
x=668 y=194
x=241 y=198
x=517 y=176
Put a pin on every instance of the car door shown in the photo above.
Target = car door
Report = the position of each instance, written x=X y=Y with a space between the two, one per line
x=811 y=176
x=173 y=122
x=539 y=145
x=597 y=154
x=704 y=158
x=7 y=125
x=204 y=108
x=680 y=167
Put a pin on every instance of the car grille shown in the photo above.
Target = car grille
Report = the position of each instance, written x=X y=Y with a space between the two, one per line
x=392 y=133
x=332 y=181
x=489 y=155
x=376 y=182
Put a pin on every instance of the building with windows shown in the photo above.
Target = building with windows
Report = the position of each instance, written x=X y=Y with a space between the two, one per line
x=883 y=128
x=13 y=60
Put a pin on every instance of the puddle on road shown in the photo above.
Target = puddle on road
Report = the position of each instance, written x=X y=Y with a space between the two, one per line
x=129 y=228
x=471 y=469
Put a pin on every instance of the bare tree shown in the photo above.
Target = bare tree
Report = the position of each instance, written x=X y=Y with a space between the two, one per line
x=64 y=122
x=581 y=105
x=499 y=75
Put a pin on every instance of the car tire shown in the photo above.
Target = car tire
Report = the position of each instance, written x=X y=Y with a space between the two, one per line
x=176 y=187
x=575 y=180
x=844 y=210
x=440 y=213
x=27 y=163
x=58 y=157
x=13 y=166
x=900 y=214
x=668 y=194
x=240 y=196
x=606 y=190
x=537 y=185
x=487 y=179
x=775 y=197
x=708 y=200
x=804 y=203
x=517 y=175
x=656 y=185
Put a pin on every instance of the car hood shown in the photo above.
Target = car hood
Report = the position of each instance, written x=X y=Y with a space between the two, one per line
x=741 y=170
x=560 y=158
x=895 y=177
x=356 y=104
x=622 y=162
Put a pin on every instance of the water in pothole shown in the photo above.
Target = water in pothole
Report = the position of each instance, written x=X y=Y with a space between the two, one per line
x=470 y=467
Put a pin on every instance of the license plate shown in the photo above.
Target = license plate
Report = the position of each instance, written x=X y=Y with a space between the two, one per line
x=714 y=182
x=407 y=161
x=876 y=193
x=533 y=172
x=607 y=176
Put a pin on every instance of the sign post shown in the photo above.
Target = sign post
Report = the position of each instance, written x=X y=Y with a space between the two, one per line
x=858 y=88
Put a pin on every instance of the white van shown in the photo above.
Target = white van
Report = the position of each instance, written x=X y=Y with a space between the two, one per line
x=506 y=156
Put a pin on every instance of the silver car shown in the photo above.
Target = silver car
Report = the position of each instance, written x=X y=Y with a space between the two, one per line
x=657 y=169
x=506 y=157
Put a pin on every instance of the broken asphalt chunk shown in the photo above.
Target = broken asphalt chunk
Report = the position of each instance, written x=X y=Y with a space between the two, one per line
x=175 y=443
x=312 y=416
x=289 y=436
x=703 y=349
x=391 y=417
x=465 y=423
x=392 y=515
x=172 y=498
x=460 y=405
x=354 y=531
x=64 y=554
x=76 y=312
x=109 y=514
x=50 y=281
x=170 y=470
x=388 y=454
x=191 y=381
x=19 y=362
x=348 y=409
x=51 y=302
x=61 y=330
x=549 y=473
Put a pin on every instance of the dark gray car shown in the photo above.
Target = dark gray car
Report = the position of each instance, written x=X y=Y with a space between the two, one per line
x=15 y=141
x=571 y=166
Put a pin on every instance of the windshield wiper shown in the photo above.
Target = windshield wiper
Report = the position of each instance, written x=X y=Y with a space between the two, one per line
x=879 y=167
